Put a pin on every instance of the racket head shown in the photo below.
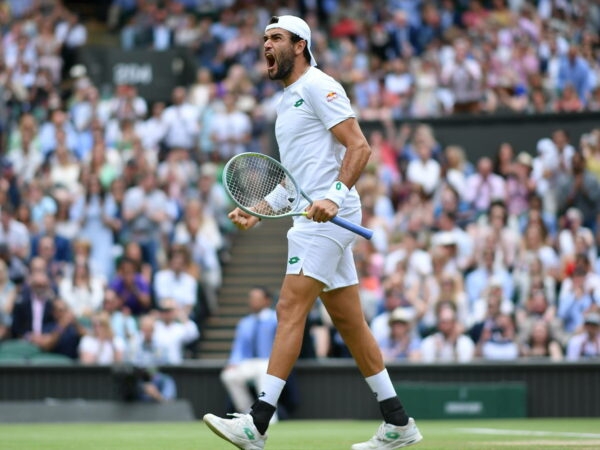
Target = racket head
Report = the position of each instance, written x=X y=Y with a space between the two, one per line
x=250 y=177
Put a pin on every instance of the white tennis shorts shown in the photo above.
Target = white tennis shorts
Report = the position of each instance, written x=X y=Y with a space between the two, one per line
x=323 y=251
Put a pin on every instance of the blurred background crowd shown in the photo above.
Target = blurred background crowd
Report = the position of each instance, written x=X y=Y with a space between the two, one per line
x=113 y=227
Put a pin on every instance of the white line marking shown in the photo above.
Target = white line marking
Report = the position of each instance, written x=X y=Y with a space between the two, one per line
x=528 y=433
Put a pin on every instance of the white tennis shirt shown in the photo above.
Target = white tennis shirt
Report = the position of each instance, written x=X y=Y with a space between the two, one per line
x=308 y=109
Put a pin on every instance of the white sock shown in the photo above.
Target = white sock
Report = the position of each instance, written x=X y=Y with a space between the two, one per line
x=381 y=385
x=271 y=389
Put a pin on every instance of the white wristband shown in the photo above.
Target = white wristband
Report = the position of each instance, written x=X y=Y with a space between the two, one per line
x=337 y=193
x=278 y=198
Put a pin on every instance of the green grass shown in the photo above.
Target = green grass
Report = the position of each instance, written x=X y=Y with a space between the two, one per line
x=556 y=434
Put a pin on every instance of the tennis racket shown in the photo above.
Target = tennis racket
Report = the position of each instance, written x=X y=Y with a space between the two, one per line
x=262 y=187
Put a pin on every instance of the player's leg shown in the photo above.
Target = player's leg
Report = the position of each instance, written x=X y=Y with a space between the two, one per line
x=248 y=431
x=397 y=430
x=345 y=310
x=298 y=295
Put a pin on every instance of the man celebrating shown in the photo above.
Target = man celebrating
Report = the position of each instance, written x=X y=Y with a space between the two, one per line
x=322 y=145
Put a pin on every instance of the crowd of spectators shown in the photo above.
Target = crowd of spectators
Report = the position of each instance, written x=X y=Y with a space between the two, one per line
x=113 y=227
x=399 y=58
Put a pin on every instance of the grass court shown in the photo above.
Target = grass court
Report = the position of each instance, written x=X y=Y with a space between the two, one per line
x=530 y=434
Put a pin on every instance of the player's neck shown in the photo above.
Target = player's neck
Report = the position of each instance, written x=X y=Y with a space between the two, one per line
x=299 y=70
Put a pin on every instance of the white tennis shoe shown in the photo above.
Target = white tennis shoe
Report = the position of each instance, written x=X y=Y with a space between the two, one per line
x=240 y=430
x=391 y=437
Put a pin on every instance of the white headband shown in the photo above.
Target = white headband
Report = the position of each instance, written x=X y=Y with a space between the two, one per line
x=297 y=26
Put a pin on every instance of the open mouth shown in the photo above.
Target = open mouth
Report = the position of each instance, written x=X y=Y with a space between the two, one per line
x=270 y=60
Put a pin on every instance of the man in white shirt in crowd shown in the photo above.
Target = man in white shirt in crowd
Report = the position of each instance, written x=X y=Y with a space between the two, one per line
x=449 y=344
x=231 y=129
x=175 y=283
x=14 y=233
x=181 y=122
x=586 y=344
x=173 y=330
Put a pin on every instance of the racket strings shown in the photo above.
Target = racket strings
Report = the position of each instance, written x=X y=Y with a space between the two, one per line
x=260 y=184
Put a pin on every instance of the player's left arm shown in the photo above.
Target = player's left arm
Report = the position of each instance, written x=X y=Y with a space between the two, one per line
x=358 y=151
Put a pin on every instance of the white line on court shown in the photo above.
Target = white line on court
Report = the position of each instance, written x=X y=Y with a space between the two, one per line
x=528 y=433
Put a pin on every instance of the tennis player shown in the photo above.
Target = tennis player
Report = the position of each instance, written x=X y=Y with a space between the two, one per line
x=322 y=145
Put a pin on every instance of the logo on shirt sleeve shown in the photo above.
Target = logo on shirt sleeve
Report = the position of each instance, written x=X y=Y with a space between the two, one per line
x=331 y=96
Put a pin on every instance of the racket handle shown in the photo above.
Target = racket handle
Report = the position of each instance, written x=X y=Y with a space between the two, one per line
x=361 y=231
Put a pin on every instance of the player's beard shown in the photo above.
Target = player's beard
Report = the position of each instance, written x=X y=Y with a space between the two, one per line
x=285 y=66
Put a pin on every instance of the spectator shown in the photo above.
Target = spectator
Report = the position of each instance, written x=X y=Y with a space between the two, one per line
x=127 y=104
x=122 y=323
x=380 y=325
x=8 y=295
x=180 y=122
x=531 y=276
x=251 y=349
x=424 y=171
x=131 y=287
x=64 y=335
x=153 y=130
x=450 y=233
x=47 y=252
x=464 y=79
x=162 y=34
x=541 y=343
x=230 y=129
x=402 y=343
x=504 y=160
x=72 y=35
x=48 y=48
x=50 y=132
x=520 y=185
x=534 y=244
x=93 y=212
x=32 y=313
x=574 y=302
x=486 y=273
x=13 y=233
x=483 y=330
x=425 y=101
x=497 y=234
x=101 y=347
x=573 y=232
x=215 y=201
x=575 y=71
x=579 y=189
x=484 y=187
x=82 y=291
x=538 y=308
x=200 y=232
x=443 y=289
x=145 y=355
x=586 y=344
x=62 y=245
x=24 y=149
x=146 y=216
x=114 y=205
x=448 y=344
x=568 y=102
x=494 y=289
x=65 y=171
x=175 y=283
x=173 y=330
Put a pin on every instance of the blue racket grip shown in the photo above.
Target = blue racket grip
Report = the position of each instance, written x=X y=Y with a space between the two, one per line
x=361 y=231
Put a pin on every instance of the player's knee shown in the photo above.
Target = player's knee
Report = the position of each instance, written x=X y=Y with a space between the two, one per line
x=290 y=312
